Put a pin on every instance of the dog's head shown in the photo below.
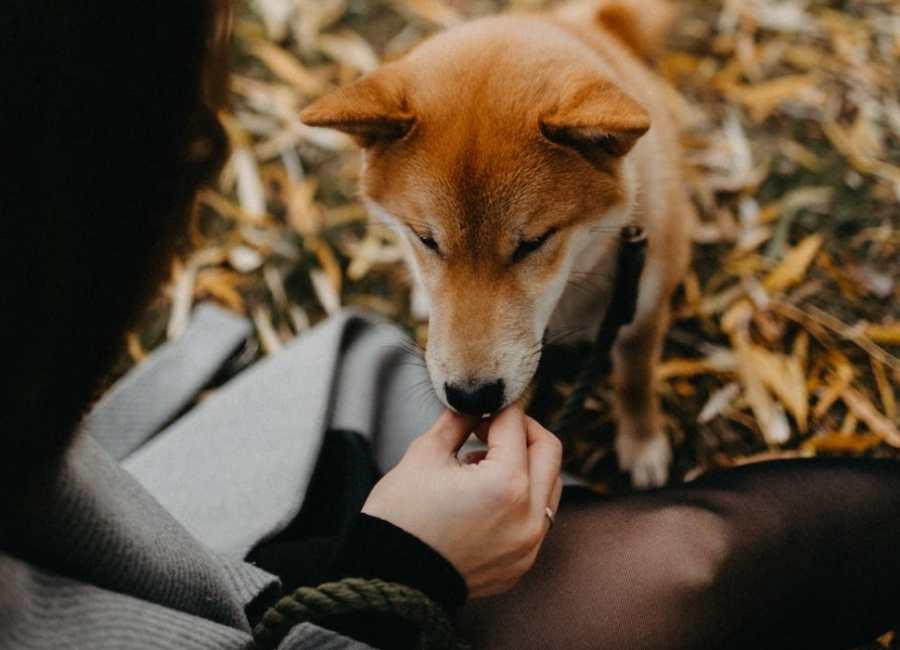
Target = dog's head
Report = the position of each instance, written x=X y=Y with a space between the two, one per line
x=496 y=151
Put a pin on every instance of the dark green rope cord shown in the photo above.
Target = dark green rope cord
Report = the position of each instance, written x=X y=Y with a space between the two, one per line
x=312 y=604
x=621 y=310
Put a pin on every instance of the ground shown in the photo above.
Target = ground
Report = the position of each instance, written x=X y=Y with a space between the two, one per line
x=787 y=330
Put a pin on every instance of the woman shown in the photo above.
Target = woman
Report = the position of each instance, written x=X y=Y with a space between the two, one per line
x=775 y=555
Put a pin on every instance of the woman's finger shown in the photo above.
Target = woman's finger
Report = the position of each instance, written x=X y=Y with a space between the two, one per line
x=544 y=463
x=555 y=496
x=506 y=438
x=449 y=432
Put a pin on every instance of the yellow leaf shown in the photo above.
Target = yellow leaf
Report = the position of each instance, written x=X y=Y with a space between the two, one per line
x=303 y=213
x=800 y=155
x=328 y=297
x=327 y=260
x=268 y=337
x=737 y=316
x=718 y=362
x=220 y=284
x=784 y=377
x=349 y=49
x=836 y=442
x=678 y=65
x=885 y=390
x=250 y=191
x=764 y=98
x=720 y=400
x=135 y=349
x=800 y=348
x=848 y=426
x=863 y=408
x=287 y=67
x=843 y=376
x=225 y=208
x=182 y=300
x=433 y=11
x=808 y=197
x=769 y=414
x=793 y=267
x=887 y=333
x=859 y=159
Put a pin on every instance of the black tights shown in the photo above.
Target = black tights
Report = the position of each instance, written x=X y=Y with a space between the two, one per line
x=789 y=554
x=801 y=554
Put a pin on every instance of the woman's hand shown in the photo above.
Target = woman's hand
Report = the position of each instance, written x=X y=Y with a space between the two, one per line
x=487 y=518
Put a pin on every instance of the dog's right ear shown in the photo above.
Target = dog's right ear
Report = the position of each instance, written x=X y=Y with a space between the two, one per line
x=372 y=110
x=596 y=119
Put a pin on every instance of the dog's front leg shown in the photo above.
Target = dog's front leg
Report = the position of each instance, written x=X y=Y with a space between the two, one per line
x=641 y=443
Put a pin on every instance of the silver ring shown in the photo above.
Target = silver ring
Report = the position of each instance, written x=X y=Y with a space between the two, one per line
x=550 y=515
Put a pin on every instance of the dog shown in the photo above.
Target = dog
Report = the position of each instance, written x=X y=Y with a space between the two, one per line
x=509 y=152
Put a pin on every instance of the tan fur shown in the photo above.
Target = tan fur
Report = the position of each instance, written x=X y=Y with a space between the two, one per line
x=493 y=133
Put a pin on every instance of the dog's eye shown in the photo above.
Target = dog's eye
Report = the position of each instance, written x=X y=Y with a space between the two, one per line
x=528 y=246
x=428 y=242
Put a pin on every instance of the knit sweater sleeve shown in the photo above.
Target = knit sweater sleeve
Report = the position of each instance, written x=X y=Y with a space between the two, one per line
x=375 y=548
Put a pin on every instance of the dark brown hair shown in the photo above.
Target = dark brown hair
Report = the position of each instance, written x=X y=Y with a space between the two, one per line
x=126 y=132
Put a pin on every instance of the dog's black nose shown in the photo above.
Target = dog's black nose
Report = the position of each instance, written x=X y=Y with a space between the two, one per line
x=475 y=398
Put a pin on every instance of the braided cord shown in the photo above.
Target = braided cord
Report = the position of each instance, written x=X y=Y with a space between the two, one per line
x=312 y=604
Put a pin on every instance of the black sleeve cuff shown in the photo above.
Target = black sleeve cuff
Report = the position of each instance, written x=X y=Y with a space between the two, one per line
x=375 y=548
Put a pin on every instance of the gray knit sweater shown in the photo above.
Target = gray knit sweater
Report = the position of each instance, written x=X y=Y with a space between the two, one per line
x=138 y=541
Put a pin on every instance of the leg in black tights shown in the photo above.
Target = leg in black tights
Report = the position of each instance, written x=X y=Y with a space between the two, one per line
x=795 y=554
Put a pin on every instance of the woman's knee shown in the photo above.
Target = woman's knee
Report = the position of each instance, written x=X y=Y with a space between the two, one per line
x=690 y=546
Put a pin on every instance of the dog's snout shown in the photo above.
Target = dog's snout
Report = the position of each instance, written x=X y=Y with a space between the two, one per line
x=475 y=398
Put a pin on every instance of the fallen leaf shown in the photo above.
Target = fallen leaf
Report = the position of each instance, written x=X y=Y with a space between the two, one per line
x=432 y=11
x=770 y=416
x=328 y=297
x=251 y=195
x=244 y=259
x=276 y=15
x=783 y=376
x=841 y=443
x=720 y=400
x=303 y=213
x=866 y=411
x=762 y=99
x=885 y=390
x=721 y=361
x=886 y=333
x=135 y=349
x=328 y=262
x=793 y=266
x=738 y=316
x=843 y=375
x=849 y=424
x=350 y=49
x=881 y=285
x=182 y=300
x=803 y=198
x=220 y=284
x=268 y=336
x=288 y=67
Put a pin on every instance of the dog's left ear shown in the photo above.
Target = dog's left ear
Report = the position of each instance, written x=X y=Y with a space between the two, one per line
x=372 y=110
x=598 y=120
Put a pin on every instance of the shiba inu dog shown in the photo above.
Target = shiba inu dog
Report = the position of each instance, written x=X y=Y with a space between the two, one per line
x=509 y=152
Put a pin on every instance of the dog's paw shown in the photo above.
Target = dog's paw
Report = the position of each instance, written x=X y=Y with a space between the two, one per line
x=647 y=459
